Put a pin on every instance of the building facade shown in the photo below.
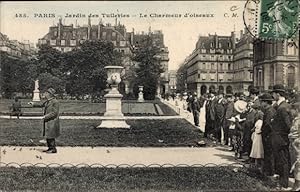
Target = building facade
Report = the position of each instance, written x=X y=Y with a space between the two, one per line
x=67 y=37
x=15 y=48
x=276 y=62
x=172 y=81
x=243 y=63
x=210 y=66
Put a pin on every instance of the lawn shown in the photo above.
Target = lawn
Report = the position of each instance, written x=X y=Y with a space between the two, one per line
x=143 y=133
x=132 y=179
x=69 y=107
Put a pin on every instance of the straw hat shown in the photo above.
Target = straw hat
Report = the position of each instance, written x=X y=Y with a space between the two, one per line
x=240 y=106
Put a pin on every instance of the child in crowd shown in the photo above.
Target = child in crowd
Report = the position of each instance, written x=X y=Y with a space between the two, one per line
x=257 y=149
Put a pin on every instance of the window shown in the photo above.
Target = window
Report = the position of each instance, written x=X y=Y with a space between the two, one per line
x=103 y=35
x=203 y=66
x=113 y=34
x=53 y=42
x=212 y=76
x=221 y=66
x=114 y=42
x=221 y=76
x=73 y=42
x=203 y=76
x=55 y=33
x=220 y=45
x=291 y=50
x=198 y=76
x=212 y=66
x=229 y=66
x=122 y=43
x=291 y=77
x=63 y=42
x=212 y=44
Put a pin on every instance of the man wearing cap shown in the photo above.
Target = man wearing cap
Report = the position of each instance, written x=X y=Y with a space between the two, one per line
x=269 y=111
x=51 y=128
x=281 y=125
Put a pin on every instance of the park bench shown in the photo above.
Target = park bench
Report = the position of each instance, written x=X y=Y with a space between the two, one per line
x=37 y=112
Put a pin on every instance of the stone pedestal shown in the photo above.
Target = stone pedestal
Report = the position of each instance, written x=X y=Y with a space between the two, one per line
x=36 y=95
x=141 y=94
x=36 y=92
x=113 y=117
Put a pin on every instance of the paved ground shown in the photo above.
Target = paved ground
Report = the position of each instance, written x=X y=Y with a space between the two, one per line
x=117 y=155
x=185 y=114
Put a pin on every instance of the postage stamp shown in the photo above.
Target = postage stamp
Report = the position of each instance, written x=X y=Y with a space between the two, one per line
x=276 y=19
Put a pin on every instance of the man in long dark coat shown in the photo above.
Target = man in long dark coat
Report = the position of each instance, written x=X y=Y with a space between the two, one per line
x=195 y=107
x=210 y=114
x=220 y=114
x=51 y=126
x=281 y=125
x=269 y=111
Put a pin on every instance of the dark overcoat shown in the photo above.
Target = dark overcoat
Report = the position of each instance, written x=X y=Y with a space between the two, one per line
x=281 y=125
x=51 y=127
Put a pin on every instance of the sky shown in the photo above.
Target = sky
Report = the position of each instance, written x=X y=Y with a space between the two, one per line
x=180 y=33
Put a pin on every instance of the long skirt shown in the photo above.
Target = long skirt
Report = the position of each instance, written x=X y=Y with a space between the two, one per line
x=257 y=150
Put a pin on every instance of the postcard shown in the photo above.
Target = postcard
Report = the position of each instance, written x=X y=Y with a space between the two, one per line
x=140 y=95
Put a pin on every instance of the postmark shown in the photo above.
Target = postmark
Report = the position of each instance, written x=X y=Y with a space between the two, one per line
x=275 y=19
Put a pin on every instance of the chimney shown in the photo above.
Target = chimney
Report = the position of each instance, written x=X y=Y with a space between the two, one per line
x=233 y=40
x=241 y=34
x=216 y=41
x=99 y=30
x=89 y=28
x=59 y=27
x=131 y=36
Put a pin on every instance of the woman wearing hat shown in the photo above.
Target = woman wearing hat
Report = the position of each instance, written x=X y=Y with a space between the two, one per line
x=51 y=128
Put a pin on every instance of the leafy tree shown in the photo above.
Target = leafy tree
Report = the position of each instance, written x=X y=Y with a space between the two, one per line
x=15 y=75
x=85 y=65
x=181 y=76
x=148 y=68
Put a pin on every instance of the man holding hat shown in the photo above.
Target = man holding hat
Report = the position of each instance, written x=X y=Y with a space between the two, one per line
x=281 y=126
x=269 y=111
x=51 y=128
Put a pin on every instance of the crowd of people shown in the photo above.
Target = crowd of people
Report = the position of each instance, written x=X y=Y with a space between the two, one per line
x=262 y=128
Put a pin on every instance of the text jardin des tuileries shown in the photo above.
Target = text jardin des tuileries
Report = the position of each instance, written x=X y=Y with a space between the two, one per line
x=116 y=15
